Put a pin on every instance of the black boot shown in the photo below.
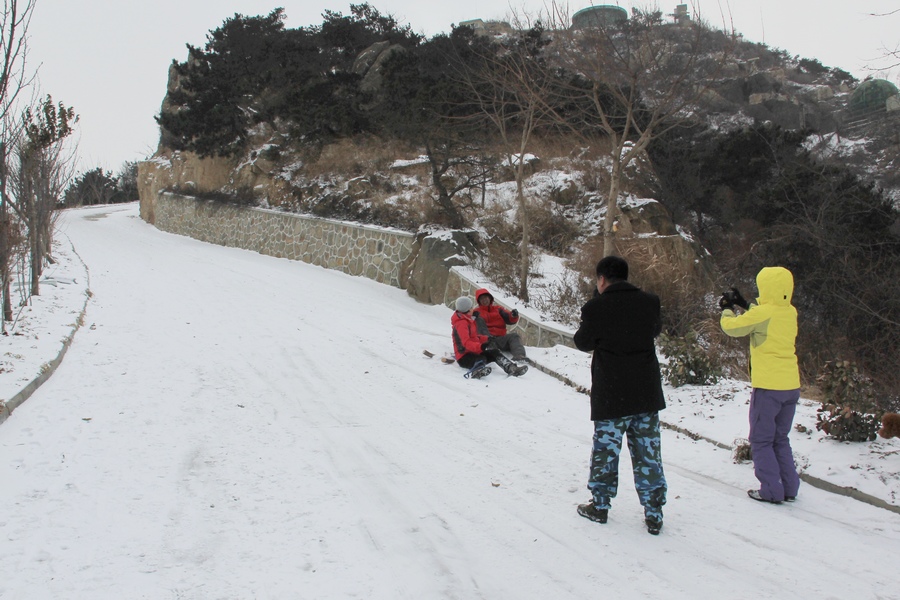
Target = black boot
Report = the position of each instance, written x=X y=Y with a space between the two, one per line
x=589 y=511
x=509 y=367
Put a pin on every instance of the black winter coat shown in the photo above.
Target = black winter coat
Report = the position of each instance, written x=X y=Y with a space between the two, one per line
x=619 y=326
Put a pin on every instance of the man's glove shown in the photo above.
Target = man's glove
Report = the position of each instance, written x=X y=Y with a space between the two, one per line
x=726 y=301
x=489 y=344
x=515 y=313
x=738 y=300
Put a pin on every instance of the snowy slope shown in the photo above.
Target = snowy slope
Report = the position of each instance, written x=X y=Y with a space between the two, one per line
x=229 y=425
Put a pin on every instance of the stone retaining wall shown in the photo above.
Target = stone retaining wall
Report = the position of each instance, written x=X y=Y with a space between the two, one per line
x=376 y=253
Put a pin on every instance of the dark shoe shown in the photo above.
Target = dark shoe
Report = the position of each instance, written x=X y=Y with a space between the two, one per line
x=482 y=371
x=790 y=498
x=589 y=511
x=755 y=495
x=517 y=370
x=653 y=525
x=479 y=370
x=509 y=367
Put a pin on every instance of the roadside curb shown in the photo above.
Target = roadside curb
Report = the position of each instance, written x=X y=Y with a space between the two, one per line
x=48 y=368
x=815 y=482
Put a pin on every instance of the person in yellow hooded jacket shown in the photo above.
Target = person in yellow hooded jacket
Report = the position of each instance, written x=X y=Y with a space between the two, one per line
x=771 y=324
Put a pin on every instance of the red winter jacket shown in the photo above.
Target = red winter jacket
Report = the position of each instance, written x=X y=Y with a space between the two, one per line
x=495 y=317
x=466 y=339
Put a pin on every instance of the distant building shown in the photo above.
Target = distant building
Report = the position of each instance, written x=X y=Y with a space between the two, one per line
x=872 y=95
x=599 y=16
x=681 y=15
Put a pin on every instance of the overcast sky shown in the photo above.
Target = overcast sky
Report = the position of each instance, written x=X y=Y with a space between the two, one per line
x=109 y=60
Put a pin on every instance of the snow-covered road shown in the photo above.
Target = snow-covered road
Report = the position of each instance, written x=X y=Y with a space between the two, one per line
x=230 y=425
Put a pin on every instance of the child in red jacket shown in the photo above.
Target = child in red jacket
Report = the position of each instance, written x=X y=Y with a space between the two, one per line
x=496 y=318
x=470 y=346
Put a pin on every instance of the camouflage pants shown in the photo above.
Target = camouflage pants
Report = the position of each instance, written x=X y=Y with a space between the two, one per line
x=646 y=457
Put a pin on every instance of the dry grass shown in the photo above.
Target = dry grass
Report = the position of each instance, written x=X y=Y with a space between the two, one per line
x=548 y=147
x=551 y=230
x=501 y=264
x=355 y=157
x=742 y=453
x=562 y=299
x=500 y=261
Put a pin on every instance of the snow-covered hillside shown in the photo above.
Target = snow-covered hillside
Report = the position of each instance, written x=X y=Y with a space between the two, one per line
x=230 y=425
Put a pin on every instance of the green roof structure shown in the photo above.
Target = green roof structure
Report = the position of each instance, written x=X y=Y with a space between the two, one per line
x=599 y=16
x=872 y=94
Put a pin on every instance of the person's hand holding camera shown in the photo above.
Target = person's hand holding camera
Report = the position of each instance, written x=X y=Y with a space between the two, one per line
x=738 y=300
x=726 y=302
x=733 y=298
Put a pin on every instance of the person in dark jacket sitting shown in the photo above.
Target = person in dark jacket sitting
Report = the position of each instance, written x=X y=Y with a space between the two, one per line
x=619 y=326
x=470 y=346
x=496 y=318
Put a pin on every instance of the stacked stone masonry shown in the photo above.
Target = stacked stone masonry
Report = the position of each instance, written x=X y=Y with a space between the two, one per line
x=376 y=254
x=383 y=255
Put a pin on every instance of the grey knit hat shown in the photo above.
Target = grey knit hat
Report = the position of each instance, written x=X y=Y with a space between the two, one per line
x=464 y=304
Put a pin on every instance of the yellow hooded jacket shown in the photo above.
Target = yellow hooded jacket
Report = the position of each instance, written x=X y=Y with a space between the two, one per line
x=771 y=324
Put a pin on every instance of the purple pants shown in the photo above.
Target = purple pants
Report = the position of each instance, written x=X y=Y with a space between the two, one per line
x=771 y=416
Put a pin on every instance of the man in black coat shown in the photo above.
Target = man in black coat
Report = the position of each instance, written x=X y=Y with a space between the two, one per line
x=619 y=326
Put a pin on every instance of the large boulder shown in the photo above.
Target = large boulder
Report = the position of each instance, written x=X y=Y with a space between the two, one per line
x=733 y=90
x=646 y=217
x=647 y=234
x=181 y=171
x=436 y=254
x=367 y=57
x=373 y=79
x=763 y=83
x=781 y=110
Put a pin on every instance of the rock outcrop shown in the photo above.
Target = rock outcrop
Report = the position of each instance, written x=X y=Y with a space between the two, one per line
x=435 y=256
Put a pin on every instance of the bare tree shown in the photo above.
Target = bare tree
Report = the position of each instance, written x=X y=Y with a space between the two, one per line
x=633 y=80
x=891 y=55
x=43 y=169
x=14 y=77
x=512 y=89
x=457 y=168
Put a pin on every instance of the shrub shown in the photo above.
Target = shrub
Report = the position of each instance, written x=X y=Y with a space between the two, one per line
x=551 y=229
x=561 y=300
x=501 y=263
x=812 y=65
x=850 y=402
x=97 y=187
x=742 y=452
x=689 y=361
x=846 y=424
